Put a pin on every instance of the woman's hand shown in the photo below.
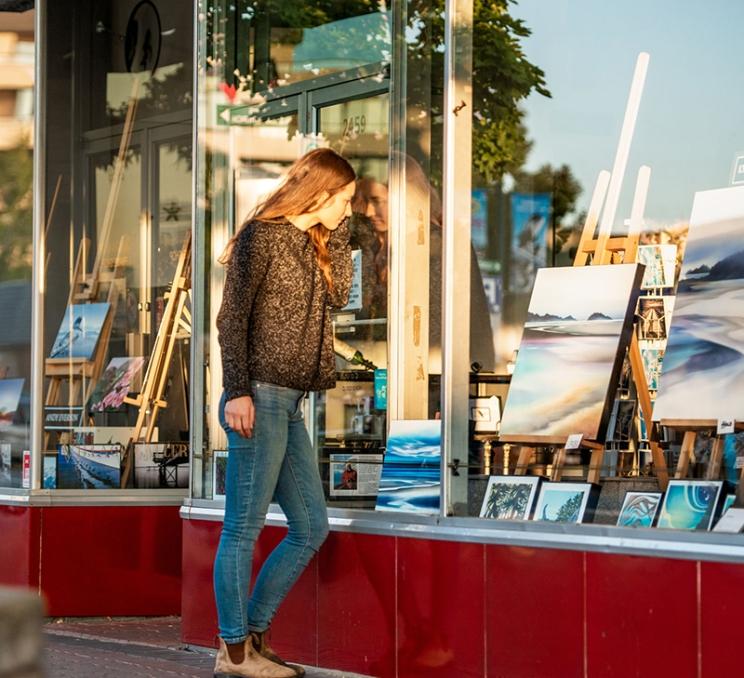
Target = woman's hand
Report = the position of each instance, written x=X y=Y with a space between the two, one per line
x=240 y=415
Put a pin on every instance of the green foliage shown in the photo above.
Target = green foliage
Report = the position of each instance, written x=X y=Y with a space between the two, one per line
x=16 y=227
x=569 y=512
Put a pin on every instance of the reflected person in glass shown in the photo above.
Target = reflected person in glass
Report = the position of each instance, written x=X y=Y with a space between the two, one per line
x=287 y=267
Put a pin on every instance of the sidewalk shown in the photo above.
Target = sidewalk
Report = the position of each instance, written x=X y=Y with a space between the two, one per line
x=129 y=648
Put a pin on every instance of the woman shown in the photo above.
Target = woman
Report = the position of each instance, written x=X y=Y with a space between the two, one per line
x=286 y=267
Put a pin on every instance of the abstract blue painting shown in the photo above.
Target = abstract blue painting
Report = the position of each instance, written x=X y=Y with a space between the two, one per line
x=578 y=325
x=411 y=473
x=79 y=331
x=690 y=504
x=563 y=502
x=702 y=376
x=639 y=509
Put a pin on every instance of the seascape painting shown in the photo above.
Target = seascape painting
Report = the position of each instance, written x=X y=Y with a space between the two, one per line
x=578 y=326
x=652 y=365
x=10 y=397
x=639 y=509
x=509 y=497
x=88 y=466
x=705 y=348
x=79 y=331
x=563 y=502
x=411 y=474
x=690 y=504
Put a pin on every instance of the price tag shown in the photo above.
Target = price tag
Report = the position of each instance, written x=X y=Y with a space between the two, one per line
x=739 y=463
x=574 y=441
x=725 y=426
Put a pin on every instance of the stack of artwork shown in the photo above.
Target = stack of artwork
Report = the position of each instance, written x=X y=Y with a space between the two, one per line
x=411 y=474
x=579 y=324
x=702 y=376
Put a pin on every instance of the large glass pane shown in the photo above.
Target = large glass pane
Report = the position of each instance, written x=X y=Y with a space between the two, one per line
x=116 y=283
x=546 y=121
x=16 y=160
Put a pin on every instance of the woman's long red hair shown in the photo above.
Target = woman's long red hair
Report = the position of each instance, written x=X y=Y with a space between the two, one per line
x=321 y=171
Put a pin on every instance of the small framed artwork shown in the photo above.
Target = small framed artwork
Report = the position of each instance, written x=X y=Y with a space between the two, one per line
x=563 y=502
x=49 y=471
x=651 y=318
x=660 y=262
x=486 y=414
x=690 y=504
x=219 y=473
x=509 y=497
x=639 y=509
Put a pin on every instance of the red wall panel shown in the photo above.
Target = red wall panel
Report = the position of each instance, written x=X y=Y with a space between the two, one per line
x=356 y=604
x=641 y=616
x=111 y=560
x=534 y=613
x=19 y=564
x=441 y=600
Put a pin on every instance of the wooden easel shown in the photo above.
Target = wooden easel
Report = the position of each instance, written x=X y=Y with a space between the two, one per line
x=175 y=325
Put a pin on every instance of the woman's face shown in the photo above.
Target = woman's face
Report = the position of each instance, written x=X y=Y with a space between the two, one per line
x=337 y=208
x=377 y=206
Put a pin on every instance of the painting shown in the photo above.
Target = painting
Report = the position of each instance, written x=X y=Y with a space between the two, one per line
x=651 y=318
x=355 y=475
x=639 y=509
x=411 y=474
x=690 y=504
x=705 y=347
x=509 y=497
x=579 y=323
x=563 y=502
x=80 y=330
x=660 y=262
x=114 y=384
x=219 y=474
x=88 y=466
x=530 y=213
x=49 y=472
x=161 y=465
x=652 y=365
x=10 y=396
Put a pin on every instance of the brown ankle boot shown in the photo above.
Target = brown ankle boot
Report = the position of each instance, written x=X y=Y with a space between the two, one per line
x=261 y=642
x=252 y=666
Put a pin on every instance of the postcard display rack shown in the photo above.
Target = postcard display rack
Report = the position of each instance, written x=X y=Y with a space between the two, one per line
x=605 y=250
x=104 y=286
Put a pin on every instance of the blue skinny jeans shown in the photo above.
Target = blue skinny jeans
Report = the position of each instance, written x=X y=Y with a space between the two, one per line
x=279 y=462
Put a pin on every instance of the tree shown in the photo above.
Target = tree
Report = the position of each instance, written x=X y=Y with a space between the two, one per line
x=569 y=512
x=16 y=228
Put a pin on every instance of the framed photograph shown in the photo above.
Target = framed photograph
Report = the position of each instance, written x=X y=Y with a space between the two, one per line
x=219 y=474
x=79 y=331
x=114 y=384
x=509 y=497
x=355 y=475
x=652 y=365
x=93 y=467
x=639 y=509
x=563 y=502
x=651 y=319
x=10 y=397
x=161 y=465
x=690 y=504
x=411 y=474
x=5 y=461
x=660 y=262
x=579 y=323
x=486 y=414
x=49 y=471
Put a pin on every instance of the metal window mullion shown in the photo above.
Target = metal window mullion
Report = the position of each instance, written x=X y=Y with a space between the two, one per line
x=456 y=190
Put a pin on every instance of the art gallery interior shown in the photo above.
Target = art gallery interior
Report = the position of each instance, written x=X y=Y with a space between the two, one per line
x=538 y=370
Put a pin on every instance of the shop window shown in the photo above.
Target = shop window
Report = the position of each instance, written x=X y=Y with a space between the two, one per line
x=569 y=340
x=16 y=169
x=117 y=238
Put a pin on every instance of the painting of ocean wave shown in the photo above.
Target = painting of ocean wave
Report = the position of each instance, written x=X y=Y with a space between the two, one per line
x=578 y=326
x=702 y=375
x=690 y=504
x=411 y=472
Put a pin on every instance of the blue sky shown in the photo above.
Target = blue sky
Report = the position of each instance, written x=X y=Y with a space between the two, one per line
x=691 y=122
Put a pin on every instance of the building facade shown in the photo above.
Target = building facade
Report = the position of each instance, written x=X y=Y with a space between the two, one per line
x=531 y=461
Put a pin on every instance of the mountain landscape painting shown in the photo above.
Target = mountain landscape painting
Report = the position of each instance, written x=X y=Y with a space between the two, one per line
x=579 y=324
x=702 y=376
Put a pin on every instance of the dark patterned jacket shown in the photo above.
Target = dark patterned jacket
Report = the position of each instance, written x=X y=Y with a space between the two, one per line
x=274 y=323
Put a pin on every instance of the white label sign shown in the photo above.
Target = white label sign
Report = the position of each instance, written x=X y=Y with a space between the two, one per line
x=725 y=426
x=731 y=521
x=355 y=294
x=574 y=441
